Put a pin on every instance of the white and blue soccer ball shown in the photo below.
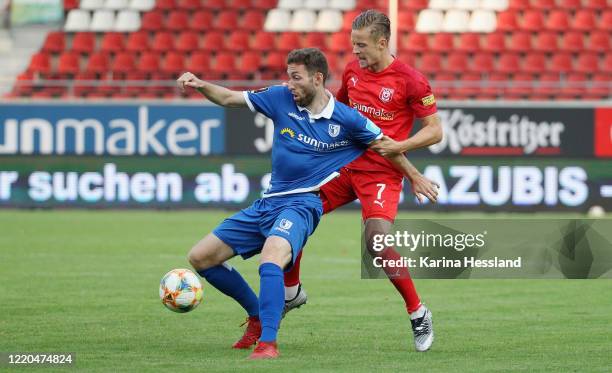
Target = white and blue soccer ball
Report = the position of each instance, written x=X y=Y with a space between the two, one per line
x=180 y=290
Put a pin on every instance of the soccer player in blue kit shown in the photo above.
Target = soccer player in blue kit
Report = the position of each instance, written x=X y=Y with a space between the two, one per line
x=314 y=136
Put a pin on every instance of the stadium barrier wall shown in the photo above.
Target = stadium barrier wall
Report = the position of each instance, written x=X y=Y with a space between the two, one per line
x=164 y=155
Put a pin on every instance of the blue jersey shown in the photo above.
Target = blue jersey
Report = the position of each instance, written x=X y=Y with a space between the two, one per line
x=308 y=149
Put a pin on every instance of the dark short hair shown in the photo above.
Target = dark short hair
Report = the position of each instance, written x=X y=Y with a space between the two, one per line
x=381 y=25
x=312 y=58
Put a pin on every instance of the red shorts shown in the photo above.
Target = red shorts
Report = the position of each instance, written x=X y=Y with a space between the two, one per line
x=378 y=192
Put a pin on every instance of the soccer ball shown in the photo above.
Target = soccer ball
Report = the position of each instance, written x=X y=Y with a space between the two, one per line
x=180 y=290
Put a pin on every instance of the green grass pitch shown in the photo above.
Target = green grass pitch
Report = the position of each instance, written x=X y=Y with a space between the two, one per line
x=87 y=282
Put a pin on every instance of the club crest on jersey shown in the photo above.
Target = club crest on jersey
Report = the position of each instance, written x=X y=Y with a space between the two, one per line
x=285 y=224
x=334 y=130
x=386 y=94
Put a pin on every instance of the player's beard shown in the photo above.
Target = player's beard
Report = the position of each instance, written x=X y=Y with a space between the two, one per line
x=306 y=99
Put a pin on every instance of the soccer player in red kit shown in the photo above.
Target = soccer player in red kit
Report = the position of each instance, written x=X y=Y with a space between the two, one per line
x=391 y=94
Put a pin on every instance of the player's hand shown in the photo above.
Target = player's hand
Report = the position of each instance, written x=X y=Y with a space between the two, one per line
x=189 y=80
x=423 y=187
x=386 y=146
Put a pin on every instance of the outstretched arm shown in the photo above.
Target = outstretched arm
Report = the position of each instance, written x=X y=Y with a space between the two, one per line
x=215 y=93
x=429 y=134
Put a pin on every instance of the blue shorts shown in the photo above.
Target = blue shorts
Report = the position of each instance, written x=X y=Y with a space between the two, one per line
x=293 y=217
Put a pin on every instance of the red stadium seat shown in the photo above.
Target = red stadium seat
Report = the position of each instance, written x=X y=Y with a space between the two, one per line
x=165 y=5
x=548 y=85
x=83 y=42
x=152 y=21
x=239 y=4
x=82 y=89
x=521 y=87
x=534 y=63
x=442 y=42
x=249 y=62
x=601 y=86
x=405 y=21
x=596 y=4
x=558 y=20
x=178 y=20
x=162 y=41
x=507 y=21
x=339 y=42
x=570 y=4
x=148 y=63
x=288 y=41
x=415 y=42
x=607 y=63
x=188 y=41
x=138 y=41
x=414 y=5
x=520 y=42
x=508 y=63
x=71 y=4
x=213 y=41
x=599 y=41
x=264 y=4
x=584 y=20
x=54 y=42
x=482 y=62
x=263 y=41
x=237 y=41
x=198 y=63
x=275 y=61
x=456 y=63
x=543 y=4
x=253 y=20
x=112 y=42
x=347 y=19
x=40 y=63
x=520 y=5
x=68 y=63
x=314 y=39
x=572 y=42
x=561 y=63
x=533 y=20
x=443 y=85
x=546 y=42
x=575 y=86
x=495 y=42
x=226 y=20
x=97 y=63
x=224 y=63
x=190 y=5
x=430 y=63
x=469 y=42
x=469 y=86
x=587 y=63
x=123 y=63
x=201 y=21
x=214 y=4
x=173 y=63
x=605 y=21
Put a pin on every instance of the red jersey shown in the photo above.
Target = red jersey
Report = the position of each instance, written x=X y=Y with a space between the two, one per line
x=391 y=98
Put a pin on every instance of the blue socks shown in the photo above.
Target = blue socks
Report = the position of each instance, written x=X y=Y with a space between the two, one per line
x=272 y=300
x=228 y=281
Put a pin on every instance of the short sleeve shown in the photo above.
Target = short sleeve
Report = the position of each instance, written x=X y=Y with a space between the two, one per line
x=364 y=131
x=266 y=100
x=421 y=98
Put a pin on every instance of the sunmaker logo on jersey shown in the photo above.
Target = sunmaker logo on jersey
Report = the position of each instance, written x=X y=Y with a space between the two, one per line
x=319 y=145
x=376 y=113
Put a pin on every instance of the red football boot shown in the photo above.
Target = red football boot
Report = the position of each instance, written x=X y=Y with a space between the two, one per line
x=251 y=334
x=264 y=350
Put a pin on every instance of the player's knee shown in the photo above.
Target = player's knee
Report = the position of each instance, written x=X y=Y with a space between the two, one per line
x=202 y=256
x=276 y=250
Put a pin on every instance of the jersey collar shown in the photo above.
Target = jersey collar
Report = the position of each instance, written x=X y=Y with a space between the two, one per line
x=326 y=112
